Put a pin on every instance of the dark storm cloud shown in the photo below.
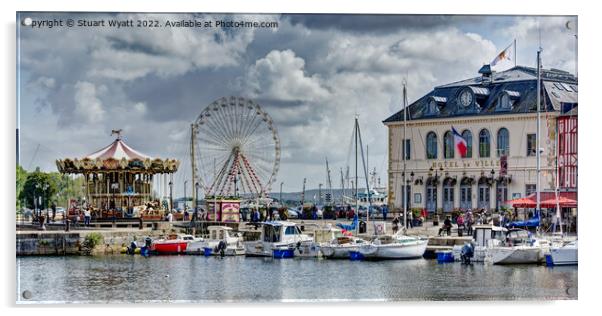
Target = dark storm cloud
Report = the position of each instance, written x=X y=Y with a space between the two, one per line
x=363 y=23
x=185 y=96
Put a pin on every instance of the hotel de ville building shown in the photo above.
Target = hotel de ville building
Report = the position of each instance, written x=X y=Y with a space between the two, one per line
x=496 y=114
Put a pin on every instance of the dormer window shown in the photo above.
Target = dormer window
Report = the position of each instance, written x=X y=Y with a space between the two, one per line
x=434 y=104
x=506 y=100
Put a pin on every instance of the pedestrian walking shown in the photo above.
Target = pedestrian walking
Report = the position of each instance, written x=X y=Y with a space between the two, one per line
x=395 y=224
x=469 y=222
x=411 y=219
x=460 y=222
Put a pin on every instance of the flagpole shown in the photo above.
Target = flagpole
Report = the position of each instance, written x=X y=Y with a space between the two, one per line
x=538 y=196
x=515 y=53
x=403 y=152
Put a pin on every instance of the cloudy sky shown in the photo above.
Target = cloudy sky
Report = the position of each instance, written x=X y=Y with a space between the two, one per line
x=312 y=74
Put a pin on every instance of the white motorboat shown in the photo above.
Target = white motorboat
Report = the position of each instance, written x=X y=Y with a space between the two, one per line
x=519 y=248
x=340 y=247
x=485 y=237
x=221 y=240
x=396 y=246
x=281 y=240
x=566 y=254
x=334 y=244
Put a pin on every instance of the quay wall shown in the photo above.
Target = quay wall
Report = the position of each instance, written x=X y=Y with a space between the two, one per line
x=32 y=242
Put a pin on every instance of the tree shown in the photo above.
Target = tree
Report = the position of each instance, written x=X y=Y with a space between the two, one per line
x=38 y=184
x=21 y=176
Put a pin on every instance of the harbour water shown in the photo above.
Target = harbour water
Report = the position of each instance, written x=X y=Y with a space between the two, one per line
x=123 y=278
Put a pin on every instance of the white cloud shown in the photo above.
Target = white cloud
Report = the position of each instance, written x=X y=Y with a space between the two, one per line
x=311 y=82
x=557 y=42
x=281 y=75
x=88 y=107
x=46 y=82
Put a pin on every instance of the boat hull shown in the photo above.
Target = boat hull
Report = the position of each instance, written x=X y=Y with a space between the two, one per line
x=564 y=256
x=515 y=255
x=232 y=249
x=337 y=252
x=195 y=247
x=170 y=248
x=413 y=250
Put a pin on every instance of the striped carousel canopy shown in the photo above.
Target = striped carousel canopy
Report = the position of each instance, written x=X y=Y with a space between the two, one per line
x=117 y=156
x=117 y=150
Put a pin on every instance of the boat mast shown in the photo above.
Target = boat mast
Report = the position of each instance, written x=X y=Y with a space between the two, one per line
x=361 y=146
x=331 y=200
x=343 y=187
x=193 y=167
x=403 y=153
x=557 y=189
x=303 y=194
x=538 y=188
x=355 y=132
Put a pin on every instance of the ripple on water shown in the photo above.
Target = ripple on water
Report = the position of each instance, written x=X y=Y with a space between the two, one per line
x=196 y=278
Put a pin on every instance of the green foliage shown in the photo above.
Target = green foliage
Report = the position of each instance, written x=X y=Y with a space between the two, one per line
x=21 y=176
x=92 y=240
x=38 y=184
x=60 y=188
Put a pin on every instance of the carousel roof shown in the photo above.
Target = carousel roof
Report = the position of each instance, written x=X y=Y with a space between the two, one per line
x=117 y=150
x=117 y=156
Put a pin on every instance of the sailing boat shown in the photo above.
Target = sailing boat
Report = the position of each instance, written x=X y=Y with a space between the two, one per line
x=520 y=247
x=398 y=245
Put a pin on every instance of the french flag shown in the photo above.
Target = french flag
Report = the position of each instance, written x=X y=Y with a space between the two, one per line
x=460 y=143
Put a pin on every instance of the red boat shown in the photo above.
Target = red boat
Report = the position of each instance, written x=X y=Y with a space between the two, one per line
x=174 y=244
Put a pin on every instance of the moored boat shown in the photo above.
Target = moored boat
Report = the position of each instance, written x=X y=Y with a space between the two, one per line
x=280 y=239
x=340 y=247
x=221 y=241
x=519 y=248
x=394 y=247
x=173 y=244
x=566 y=254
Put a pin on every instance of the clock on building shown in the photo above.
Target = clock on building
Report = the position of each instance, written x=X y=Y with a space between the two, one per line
x=466 y=98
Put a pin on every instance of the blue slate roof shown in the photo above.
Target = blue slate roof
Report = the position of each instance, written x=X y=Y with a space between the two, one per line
x=519 y=84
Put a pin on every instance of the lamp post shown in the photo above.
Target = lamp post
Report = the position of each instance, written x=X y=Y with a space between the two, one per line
x=35 y=200
x=491 y=188
x=320 y=194
x=410 y=181
x=43 y=200
x=185 y=204
x=196 y=202
x=170 y=196
x=281 y=202
x=436 y=180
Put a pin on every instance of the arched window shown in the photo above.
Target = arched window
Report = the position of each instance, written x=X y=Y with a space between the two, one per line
x=503 y=142
x=448 y=145
x=431 y=145
x=484 y=144
x=467 y=135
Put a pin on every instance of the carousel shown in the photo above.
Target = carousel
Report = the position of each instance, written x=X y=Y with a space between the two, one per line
x=118 y=181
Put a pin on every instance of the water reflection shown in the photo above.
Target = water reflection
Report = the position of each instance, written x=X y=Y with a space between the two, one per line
x=197 y=278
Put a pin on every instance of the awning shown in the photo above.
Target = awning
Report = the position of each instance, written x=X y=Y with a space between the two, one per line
x=548 y=200
x=562 y=202
x=522 y=202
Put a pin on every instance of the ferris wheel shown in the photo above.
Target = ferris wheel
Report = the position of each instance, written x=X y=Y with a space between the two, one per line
x=236 y=148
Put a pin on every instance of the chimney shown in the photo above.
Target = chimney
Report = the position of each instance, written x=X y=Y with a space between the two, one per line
x=487 y=77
